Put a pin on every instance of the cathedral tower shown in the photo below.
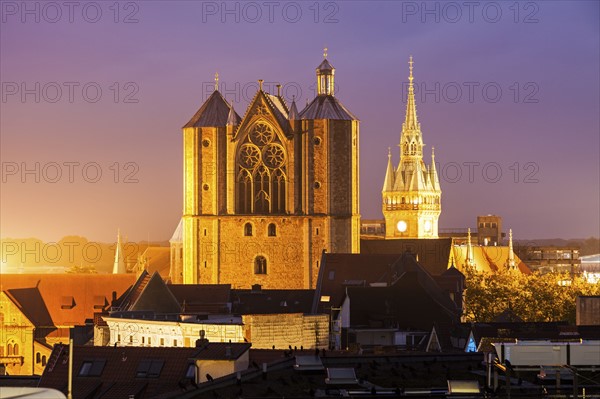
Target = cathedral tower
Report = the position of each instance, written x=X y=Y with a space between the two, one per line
x=411 y=193
x=265 y=194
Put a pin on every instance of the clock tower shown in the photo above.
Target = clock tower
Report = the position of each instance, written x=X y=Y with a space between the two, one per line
x=411 y=193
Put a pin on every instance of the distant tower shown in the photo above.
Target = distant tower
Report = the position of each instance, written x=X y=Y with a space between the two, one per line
x=510 y=262
x=411 y=194
x=469 y=261
x=119 y=266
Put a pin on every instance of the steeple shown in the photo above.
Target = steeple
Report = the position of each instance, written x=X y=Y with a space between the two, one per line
x=325 y=76
x=119 y=265
x=510 y=262
x=469 y=260
x=388 y=184
x=410 y=121
x=411 y=142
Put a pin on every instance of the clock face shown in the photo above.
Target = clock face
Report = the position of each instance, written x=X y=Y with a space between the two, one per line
x=401 y=226
x=428 y=225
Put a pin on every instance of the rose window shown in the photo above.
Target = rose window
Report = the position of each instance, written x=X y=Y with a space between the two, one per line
x=273 y=156
x=249 y=156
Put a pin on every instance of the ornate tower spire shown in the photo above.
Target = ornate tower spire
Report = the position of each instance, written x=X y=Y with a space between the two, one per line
x=216 y=81
x=325 y=76
x=411 y=122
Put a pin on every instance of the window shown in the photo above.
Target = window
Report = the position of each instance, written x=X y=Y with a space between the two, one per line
x=38 y=358
x=494 y=225
x=43 y=360
x=191 y=372
x=149 y=340
x=261 y=172
x=16 y=349
x=162 y=342
x=91 y=368
x=248 y=229
x=481 y=225
x=131 y=339
x=9 y=350
x=272 y=230
x=174 y=342
x=260 y=265
x=149 y=368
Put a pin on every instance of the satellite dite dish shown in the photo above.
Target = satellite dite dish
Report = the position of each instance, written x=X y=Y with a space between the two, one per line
x=31 y=393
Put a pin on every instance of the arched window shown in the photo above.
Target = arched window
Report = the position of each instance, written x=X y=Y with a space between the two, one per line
x=9 y=349
x=43 y=360
x=38 y=358
x=248 y=229
x=272 y=230
x=260 y=265
x=261 y=172
x=16 y=349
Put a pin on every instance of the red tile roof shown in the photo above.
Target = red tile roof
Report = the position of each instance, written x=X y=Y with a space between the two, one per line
x=87 y=291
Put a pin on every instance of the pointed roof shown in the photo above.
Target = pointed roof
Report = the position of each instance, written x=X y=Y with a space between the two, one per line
x=119 y=266
x=325 y=66
x=388 y=183
x=293 y=115
x=326 y=107
x=178 y=233
x=410 y=121
x=433 y=176
x=149 y=293
x=233 y=119
x=213 y=113
x=275 y=104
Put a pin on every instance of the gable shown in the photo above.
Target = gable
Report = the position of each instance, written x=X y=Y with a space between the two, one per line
x=156 y=297
x=267 y=109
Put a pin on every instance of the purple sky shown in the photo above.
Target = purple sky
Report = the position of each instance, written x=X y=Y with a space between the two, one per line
x=543 y=56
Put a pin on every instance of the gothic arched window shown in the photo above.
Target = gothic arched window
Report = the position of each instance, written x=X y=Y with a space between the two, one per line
x=260 y=265
x=248 y=229
x=261 y=172
x=272 y=230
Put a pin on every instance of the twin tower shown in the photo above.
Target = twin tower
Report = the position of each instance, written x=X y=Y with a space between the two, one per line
x=265 y=194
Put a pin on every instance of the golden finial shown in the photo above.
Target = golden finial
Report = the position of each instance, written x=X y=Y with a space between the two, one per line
x=260 y=83
x=325 y=52
x=432 y=152
x=389 y=152
x=410 y=65
x=216 y=81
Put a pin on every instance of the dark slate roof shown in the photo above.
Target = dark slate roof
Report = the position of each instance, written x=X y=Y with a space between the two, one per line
x=213 y=113
x=149 y=293
x=202 y=298
x=259 y=301
x=31 y=303
x=326 y=107
x=434 y=254
x=119 y=374
x=325 y=66
x=340 y=270
x=412 y=301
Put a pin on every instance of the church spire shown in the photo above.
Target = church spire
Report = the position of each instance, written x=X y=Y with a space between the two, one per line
x=433 y=176
x=410 y=121
x=469 y=260
x=119 y=265
x=510 y=262
x=388 y=184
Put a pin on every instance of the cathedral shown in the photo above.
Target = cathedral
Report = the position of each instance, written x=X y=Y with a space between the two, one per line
x=411 y=193
x=265 y=194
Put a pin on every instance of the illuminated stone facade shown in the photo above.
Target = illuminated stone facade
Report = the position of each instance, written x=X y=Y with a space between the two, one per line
x=411 y=194
x=265 y=194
